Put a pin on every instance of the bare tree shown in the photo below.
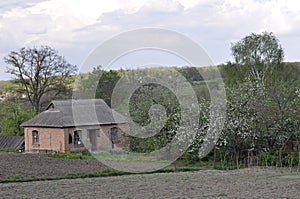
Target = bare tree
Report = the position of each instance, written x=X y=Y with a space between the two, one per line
x=39 y=71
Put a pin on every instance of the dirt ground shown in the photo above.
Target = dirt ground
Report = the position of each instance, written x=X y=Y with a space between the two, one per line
x=21 y=164
x=244 y=183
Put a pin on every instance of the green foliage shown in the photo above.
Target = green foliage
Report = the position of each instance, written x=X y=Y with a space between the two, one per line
x=8 y=150
x=101 y=173
x=257 y=56
x=140 y=103
x=280 y=158
x=258 y=48
x=105 y=155
x=73 y=155
x=106 y=85
x=192 y=160
x=12 y=116
x=262 y=93
x=3 y=85
x=262 y=96
x=97 y=84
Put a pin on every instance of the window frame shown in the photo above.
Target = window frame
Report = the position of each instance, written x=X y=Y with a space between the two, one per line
x=77 y=140
x=114 y=134
x=35 y=137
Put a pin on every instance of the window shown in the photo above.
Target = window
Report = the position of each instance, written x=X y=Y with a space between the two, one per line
x=77 y=137
x=35 y=135
x=113 y=134
x=70 y=139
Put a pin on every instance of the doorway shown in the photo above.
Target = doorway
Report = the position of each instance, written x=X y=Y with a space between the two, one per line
x=92 y=137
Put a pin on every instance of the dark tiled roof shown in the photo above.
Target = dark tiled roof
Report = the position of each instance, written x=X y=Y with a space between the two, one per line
x=11 y=142
x=67 y=113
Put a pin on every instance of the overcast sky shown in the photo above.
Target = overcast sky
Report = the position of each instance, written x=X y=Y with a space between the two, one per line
x=76 y=27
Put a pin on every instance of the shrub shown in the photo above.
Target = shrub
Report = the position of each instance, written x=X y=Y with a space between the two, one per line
x=279 y=158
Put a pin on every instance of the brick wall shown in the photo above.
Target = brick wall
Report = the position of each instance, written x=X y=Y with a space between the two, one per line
x=50 y=139
x=101 y=138
x=72 y=147
x=62 y=139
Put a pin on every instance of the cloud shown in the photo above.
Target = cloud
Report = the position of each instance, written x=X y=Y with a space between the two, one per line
x=237 y=17
x=76 y=27
x=22 y=29
x=6 y=5
x=162 y=6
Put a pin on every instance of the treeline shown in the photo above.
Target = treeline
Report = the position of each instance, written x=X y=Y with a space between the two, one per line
x=262 y=110
x=264 y=118
x=262 y=102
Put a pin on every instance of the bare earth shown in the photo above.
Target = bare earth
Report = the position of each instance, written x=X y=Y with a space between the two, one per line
x=244 y=183
x=21 y=164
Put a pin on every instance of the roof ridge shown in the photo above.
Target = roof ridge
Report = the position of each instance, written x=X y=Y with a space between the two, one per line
x=68 y=101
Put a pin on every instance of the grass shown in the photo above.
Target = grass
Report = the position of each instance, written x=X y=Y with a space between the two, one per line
x=8 y=150
x=180 y=166
x=112 y=156
x=73 y=155
x=122 y=156
x=125 y=156
x=187 y=163
x=101 y=173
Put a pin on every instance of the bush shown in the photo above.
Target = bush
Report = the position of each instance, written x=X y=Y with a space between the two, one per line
x=279 y=158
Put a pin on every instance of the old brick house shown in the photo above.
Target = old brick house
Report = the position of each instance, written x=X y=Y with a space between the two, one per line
x=75 y=125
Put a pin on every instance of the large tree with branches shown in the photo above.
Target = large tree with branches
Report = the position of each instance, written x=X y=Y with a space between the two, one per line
x=258 y=56
x=262 y=92
x=40 y=71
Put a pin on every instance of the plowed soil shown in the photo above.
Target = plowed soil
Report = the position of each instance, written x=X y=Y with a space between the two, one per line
x=20 y=164
x=243 y=183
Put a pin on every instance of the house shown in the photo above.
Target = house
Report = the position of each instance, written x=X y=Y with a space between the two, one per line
x=12 y=142
x=76 y=125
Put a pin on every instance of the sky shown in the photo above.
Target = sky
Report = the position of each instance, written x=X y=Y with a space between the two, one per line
x=76 y=27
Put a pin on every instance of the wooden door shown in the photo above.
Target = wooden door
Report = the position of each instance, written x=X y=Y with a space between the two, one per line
x=92 y=138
